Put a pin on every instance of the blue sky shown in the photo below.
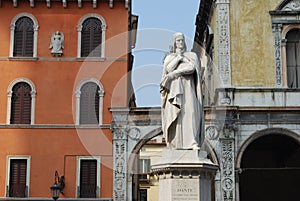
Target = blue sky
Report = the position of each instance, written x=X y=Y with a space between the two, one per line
x=158 y=20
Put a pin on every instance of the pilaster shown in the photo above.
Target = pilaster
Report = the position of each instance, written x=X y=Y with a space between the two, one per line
x=277 y=53
x=120 y=163
x=227 y=173
x=223 y=41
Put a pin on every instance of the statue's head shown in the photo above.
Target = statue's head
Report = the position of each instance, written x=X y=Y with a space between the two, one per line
x=176 y=36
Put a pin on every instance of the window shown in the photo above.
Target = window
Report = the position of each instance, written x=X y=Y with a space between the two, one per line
x=293 y=58
x=144 y=169
x=286 y=26
x=21 y=102
x=143 y=194
x=91 y=36
x=88 y=180
x=144 y=165
x=89 y=98
x=89 y=104
x=23 y=37
x=18 y=176
x=23 y=40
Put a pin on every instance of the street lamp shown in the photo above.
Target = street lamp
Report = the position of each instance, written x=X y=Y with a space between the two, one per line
x=57 y=187
x=55 y=191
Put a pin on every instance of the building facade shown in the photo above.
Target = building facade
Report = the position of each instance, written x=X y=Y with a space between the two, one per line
x=63 y=65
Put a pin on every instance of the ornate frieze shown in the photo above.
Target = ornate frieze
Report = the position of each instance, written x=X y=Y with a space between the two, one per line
x=223 y=34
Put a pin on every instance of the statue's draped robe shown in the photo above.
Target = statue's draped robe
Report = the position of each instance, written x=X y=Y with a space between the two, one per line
x=182 y=102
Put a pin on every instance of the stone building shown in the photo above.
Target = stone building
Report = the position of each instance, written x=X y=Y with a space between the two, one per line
x=63 y=65
x=252 y=120
x=252 y=124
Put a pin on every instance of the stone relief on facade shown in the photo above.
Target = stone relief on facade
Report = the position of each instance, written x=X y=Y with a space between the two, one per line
x=134 y=133
x=292 y=6
x=57 y=44
x=212 y=133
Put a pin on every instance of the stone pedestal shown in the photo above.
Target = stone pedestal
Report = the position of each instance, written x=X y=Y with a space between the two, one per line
x=185 y=175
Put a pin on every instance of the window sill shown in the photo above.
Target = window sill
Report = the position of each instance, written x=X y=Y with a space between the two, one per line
x=22 y=58
x=90 y=59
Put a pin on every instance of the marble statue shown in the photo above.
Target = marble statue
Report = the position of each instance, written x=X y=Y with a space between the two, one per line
x=181 y=93
x=57 y=43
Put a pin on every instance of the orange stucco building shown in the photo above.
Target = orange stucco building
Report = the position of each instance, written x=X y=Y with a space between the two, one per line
x=63 y=64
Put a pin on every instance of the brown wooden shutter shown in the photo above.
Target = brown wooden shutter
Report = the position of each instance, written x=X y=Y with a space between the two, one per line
x=88 y=178
x=21 y=104
x=89 y=104
x=91 y=37
x=17 y=179
x=23 y=37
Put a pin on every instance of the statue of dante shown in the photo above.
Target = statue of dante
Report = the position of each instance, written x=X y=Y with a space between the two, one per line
x=182 y=112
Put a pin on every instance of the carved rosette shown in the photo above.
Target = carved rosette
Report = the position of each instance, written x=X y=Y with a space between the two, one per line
x=120 y=161
x=277 y=46
x=223 y=33
x=227 y=163
x=211 y=132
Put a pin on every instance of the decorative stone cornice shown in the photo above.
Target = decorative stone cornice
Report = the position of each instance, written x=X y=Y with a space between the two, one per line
x=65 y=3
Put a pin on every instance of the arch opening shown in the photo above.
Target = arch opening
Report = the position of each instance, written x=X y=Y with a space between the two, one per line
x=270 y=169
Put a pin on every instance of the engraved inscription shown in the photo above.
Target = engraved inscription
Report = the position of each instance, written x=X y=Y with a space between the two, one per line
x=187 y=190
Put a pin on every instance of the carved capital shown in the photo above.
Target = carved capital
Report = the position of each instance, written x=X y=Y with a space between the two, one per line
x=222 y=1
x=119 y=132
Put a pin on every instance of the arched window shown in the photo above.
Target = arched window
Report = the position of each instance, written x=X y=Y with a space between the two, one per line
x=91 y=36
x=21 y=102
x=89 y=102
x=23 y=42
x=293 y=58
x=286 y=26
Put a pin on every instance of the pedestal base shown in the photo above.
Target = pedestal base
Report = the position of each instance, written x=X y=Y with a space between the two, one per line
x=185 y=175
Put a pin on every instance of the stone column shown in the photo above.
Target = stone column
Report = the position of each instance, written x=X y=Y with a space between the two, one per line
x=185 y=175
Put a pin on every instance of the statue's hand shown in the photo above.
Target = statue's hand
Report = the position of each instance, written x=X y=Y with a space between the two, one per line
x=173 y=75
x=185 y=60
